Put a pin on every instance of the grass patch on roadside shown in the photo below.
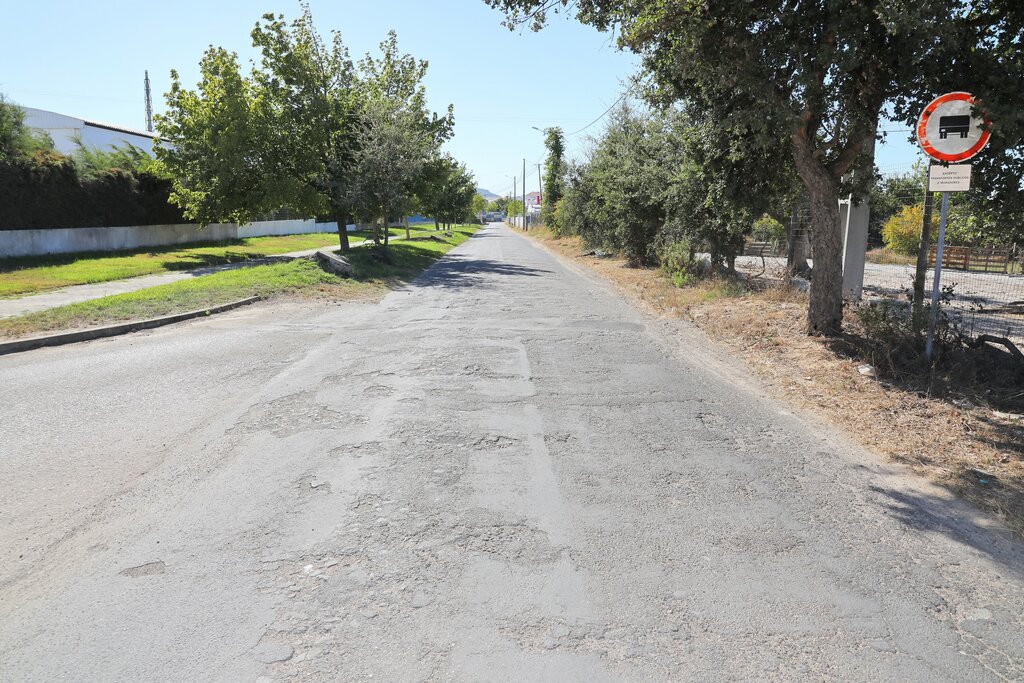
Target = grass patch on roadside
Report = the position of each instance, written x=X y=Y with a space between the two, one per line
x=176 y=297
x=408 y=257
x=300 y=277
x=27 y=275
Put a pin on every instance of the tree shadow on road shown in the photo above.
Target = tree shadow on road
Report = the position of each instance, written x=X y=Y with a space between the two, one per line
x=956 y=520
x=461 y=272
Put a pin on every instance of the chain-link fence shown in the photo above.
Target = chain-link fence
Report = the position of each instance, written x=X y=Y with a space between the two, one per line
x=982 y=281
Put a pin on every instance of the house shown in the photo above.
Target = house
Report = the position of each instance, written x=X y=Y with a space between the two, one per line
x=65 y=129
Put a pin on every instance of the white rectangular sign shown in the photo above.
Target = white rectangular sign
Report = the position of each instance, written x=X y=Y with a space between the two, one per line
x=956 y=178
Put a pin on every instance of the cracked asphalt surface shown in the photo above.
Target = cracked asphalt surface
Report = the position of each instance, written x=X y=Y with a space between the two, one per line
x=503 y=471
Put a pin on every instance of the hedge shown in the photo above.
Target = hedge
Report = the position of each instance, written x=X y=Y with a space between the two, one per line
x=47 y=192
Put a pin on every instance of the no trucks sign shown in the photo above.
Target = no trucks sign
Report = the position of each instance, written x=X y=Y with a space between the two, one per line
x=948 y=130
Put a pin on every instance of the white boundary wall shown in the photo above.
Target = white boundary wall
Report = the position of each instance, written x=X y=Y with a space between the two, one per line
x=71 y=240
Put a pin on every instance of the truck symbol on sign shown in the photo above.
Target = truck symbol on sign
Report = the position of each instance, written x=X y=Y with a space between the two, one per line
x=954 y=124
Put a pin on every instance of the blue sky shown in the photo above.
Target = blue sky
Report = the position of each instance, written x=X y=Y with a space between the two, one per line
x=87 y=59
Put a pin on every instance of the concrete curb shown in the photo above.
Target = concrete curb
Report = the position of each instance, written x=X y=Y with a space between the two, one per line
x=19 y=345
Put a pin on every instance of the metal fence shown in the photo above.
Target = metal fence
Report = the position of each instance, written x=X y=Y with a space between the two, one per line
x=982 y=283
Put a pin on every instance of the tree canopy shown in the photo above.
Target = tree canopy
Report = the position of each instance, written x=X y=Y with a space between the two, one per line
x=306 y=129
x=820 y=74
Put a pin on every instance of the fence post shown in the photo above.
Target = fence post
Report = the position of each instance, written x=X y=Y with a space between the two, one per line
x=855 y=246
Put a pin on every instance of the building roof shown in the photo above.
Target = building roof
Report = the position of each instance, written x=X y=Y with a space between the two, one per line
x=51 y=119
x=122 y=129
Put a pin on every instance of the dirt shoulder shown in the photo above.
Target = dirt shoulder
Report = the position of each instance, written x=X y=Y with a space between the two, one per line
x=962 y=445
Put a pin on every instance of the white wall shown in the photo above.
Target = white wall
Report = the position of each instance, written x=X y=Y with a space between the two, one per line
x=71 y=240
x=104 y=139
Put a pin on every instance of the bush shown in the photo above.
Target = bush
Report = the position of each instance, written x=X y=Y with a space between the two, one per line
x=678 y=261
x=767 y=229
x=892 y=339
x=48 y=192
x=902 y=232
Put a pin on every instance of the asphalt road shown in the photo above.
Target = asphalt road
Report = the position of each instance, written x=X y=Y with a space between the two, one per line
x=502 y=472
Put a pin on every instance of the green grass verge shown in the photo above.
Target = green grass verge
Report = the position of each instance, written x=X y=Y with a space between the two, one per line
x=408 y=259
x=20 y=276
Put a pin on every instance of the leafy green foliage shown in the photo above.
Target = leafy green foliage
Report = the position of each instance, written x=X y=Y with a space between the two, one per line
x=500 y=204
x=17 y=141
x=554 y=177
x=615 y=201
x=655 y=179
x=93 y=162
x=307 y=130
x=767 y=229
x=677 y=260
x=398 y=134
x=902 y=232
x=448 y=192
x=478 y=205
x=514 y=207
x=47 y=192
x=819 y=74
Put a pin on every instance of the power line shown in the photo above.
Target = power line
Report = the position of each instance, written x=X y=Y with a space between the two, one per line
x=614 y=104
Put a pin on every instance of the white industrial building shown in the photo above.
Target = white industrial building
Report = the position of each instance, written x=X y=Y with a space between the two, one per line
x=65 y=129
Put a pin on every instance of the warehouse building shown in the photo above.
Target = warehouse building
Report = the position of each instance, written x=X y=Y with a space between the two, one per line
x=65 y=129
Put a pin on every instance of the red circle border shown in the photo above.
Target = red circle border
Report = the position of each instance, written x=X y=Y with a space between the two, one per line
x=922 y=124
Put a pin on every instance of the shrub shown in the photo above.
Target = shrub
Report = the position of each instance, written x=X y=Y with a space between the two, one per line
x=767 y=229
x=678 y=261
x=48 y=192
x=892 y=339
x=902 y=232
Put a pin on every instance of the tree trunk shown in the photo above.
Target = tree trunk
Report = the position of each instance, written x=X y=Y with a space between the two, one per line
x=437 y=225
x=387 y=228
x=825 y=313
x=407 y=235
x=796 y=255
x=342 y=220
x=922 y=252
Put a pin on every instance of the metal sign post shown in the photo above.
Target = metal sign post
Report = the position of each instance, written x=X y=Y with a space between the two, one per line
x=949 y=131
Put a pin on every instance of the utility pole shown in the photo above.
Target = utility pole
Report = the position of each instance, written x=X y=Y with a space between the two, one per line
x=514 y=195
x=149 y=105
x=524 y=194
x=540 y=186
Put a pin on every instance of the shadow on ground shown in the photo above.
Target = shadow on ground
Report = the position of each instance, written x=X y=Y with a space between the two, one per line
x=459 y=272
x=935 y=515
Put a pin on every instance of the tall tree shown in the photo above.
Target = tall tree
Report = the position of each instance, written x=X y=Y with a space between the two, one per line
x=219 y=145
x=478 y=205
x=554 y=175
x=307 y=130
x=309 y=95
x=820 y=71
x=400 y=135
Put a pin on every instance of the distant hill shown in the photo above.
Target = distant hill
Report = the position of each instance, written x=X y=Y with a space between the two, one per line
x=486 y=194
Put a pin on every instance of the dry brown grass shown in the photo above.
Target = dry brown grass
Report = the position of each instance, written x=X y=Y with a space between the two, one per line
x=961 y=445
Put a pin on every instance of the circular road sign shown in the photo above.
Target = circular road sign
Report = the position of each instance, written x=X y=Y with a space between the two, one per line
x=948 y=131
